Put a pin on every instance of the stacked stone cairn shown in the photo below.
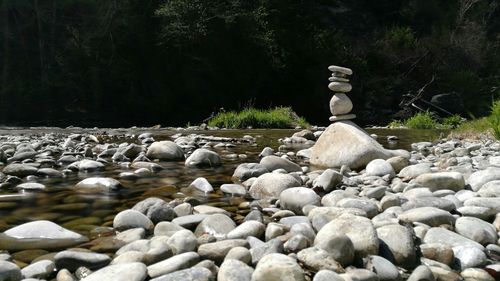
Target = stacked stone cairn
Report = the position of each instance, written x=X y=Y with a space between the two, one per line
x=340 y=104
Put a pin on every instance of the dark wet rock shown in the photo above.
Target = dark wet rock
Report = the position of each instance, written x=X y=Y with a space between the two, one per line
x=19 y=170
x=155 y=209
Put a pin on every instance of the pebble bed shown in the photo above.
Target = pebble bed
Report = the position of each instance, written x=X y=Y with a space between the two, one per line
x=433 y=214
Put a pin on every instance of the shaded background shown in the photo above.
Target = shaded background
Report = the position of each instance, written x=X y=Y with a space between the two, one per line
x=170 y=62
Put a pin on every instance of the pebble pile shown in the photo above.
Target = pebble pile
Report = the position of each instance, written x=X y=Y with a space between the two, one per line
x=431 y=214
x=340 y=104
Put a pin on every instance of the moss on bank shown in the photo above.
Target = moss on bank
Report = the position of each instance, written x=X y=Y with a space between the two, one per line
x=276 y=118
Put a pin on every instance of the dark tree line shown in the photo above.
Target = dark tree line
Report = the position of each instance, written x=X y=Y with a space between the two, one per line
x=146 y=62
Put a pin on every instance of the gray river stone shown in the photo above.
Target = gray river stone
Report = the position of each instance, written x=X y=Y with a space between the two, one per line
x=328 y=180
x=477 y=230
x=422 y=273
x=19 y=170
x=217 y=251
x=490 y=189
x=340 y=104
x=438 y=252
x=413 y=171
x=165 y=150
x=450 y=238
x=443 y=180
x=379 y=167
x=182 y=241
x=479 y=178
x=98 y=184
x=273 y=162
x=396 y=245
x=248 y=228
x=39 y=235
x=344 y=143
x=202 y=184
x=40 y=269
x=368 y=206
x=340 y=247
x=320 y=216
x=327 y=275
x=156 y=209
x=234 y=270
x=271 y=185
x=317 y=259
x=72 y=260
x=87 y=165
x=490 y=202
x=249 y=170
x=278 y=267
x=191 y=274
x=119 y=272
x=295 y=198
x=203 y=158
x=359 y=229
x=31 y=186
x=385 y=270
x=469 y=257
x=9 y=271
x=217 y=225
x=132 y=219
x=174 y=263
x=189 y=221
x=239 y=253
x=428 y=215
x=233 y=189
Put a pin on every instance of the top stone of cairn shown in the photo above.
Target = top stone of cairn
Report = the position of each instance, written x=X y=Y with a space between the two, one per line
x=339 y=69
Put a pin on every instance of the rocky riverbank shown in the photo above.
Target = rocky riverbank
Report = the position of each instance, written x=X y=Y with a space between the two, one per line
x=429 y=214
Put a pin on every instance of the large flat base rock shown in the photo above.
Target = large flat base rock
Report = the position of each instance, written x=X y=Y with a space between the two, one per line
x=344 y=143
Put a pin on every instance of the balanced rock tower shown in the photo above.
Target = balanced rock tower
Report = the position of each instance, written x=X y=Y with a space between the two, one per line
x=343 y=142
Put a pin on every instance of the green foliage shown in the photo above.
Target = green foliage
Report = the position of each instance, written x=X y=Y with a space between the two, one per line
x=401 y=37
x=452 y=121
x=395 y=124
x=277 y=118
x=422 y=120
x=494 y=119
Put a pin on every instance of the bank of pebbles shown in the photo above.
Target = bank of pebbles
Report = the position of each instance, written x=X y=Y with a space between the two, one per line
x=431 y=216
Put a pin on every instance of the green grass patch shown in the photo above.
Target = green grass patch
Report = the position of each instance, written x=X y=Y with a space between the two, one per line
x=422 y=120
x=494 y=119
x=277 y=118
x=482 y=127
